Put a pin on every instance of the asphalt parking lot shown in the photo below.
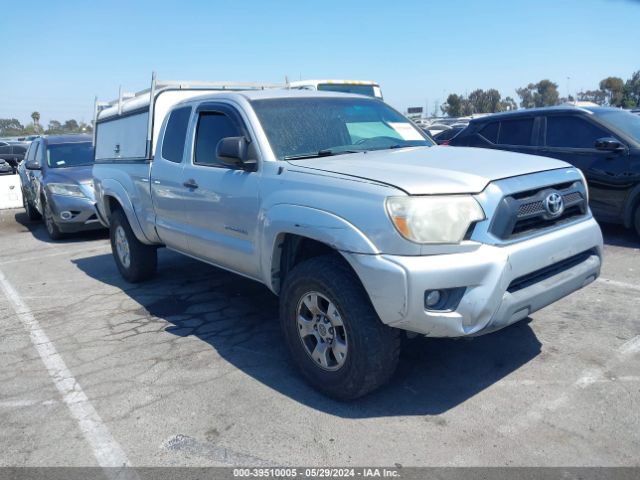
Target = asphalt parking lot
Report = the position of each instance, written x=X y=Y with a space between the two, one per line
x=190 y=369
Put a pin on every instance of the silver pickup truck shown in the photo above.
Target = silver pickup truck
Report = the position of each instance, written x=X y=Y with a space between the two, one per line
x=346 y=211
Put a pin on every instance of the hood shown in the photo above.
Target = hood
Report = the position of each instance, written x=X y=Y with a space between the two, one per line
x=74 y=175
x=433 y=170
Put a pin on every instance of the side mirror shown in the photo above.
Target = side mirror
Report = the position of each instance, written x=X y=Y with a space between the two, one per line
x=234 y=152
x=32 y=165
x=609 y=144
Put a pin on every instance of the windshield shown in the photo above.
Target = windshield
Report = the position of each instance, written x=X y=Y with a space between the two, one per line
x=347 y=88
x=69 y=155
x=307 y=127
x=625 y=122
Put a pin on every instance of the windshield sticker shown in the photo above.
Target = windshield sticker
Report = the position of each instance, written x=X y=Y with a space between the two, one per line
x=61 y=162
x=406 y=131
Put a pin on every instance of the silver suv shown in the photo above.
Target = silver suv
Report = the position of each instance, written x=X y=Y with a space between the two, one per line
x=348 y=212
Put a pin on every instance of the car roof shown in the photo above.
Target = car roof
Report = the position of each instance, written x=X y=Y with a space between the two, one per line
x=542 y=110
x=276 y=94
x=68 y=138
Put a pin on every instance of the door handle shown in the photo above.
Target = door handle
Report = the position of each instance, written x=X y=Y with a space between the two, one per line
x=191 y=183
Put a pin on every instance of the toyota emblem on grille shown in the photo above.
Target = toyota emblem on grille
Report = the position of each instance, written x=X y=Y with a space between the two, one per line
x=554 y=204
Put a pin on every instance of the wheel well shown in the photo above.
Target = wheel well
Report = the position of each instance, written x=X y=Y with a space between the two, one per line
x=292 y=249
x=111 y=205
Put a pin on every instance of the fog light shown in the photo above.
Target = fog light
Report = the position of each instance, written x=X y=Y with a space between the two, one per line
x=66 y=215
x=432 y=298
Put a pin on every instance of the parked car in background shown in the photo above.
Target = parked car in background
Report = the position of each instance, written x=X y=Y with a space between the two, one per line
x=445 y=136
x=602 y=142
x=5 y=168
x=13 y=153
x=57 y=184
x=436 y=128
x=340 y=205
x=361 y=87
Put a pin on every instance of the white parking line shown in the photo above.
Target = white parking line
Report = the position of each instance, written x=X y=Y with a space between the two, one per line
x=105 y=448
x=616 y=283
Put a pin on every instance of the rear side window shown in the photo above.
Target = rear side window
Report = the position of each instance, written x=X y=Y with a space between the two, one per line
x=516 y=132
x=212 y=127
x=175 y=135
x=490 y=132
x=19 y=149
x=5 y=150
x=572 y=132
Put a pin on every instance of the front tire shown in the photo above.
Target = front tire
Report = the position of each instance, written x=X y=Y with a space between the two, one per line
x=135 y=260
x=333 y=333
x=52 y=228
x=636 y=222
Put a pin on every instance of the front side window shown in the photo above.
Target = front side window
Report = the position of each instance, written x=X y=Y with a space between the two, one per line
x=175 y=134
x=64 y=155
x=322 y=126
x=516 y=132
x=31 y=151
x=212 y=127
x=625 y=122
x=572 y=132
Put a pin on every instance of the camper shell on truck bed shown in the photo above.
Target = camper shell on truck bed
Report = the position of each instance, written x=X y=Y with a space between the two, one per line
x=129 y=125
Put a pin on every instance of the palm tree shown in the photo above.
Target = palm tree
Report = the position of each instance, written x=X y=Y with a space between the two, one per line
x=35 y=116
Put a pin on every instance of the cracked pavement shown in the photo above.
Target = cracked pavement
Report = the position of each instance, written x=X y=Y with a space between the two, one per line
x=190 y=369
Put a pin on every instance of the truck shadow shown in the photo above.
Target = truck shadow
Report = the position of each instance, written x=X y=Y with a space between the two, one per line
x=239 y=319
x=39 y=231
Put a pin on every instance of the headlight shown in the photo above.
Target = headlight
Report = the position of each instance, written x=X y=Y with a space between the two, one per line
x=65 y=189
x=434 y=219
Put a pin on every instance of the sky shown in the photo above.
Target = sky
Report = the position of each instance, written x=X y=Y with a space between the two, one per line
x=59 y=55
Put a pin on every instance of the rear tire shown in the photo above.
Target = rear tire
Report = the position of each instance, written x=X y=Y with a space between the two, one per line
x=52 y=228
x=339 y=344
x=636 y=222
x=32 y=213
x=135 y=260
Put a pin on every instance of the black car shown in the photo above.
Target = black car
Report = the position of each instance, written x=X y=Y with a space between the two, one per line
x=57 y=184
x=13 y=153
x=602 y=142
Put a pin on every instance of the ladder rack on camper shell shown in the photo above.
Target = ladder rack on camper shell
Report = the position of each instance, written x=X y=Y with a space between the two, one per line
x=143 y=113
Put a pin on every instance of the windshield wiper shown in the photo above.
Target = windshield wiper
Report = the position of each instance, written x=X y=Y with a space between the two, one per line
x=321 y=153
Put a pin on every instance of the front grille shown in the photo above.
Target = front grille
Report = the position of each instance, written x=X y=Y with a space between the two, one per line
x=522 y=227
x=548 y=272
x=524 y=213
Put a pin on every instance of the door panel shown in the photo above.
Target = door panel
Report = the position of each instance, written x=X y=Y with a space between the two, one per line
x=169 y=199
x=169 y=196
x=223 y=202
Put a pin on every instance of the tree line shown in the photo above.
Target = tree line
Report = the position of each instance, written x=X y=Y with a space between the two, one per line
x=611 y=91
x=11 y=127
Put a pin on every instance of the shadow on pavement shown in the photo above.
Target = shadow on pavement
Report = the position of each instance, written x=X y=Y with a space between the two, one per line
x=619 y=236
x=239 y=319
x=39 y=231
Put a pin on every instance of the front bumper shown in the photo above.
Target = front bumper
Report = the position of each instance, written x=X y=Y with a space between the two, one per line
x=82 y=210
x=502 y=284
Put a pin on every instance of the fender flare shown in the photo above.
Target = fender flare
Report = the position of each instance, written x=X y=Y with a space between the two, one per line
x=113 y=188
x=318 y=225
